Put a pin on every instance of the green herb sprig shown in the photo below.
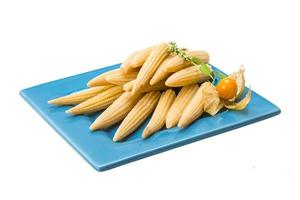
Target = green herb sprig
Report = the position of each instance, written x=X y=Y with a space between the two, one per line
x=202 y=67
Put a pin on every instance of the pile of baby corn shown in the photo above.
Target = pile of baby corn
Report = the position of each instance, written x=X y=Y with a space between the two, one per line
x=144 y=84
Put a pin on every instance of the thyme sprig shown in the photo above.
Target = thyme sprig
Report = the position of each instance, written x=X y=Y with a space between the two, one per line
x=202 y=67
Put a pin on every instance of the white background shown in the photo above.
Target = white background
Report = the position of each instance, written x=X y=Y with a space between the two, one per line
x=47 y=40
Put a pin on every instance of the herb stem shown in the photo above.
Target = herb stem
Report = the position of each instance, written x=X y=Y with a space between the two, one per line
x=202 y=67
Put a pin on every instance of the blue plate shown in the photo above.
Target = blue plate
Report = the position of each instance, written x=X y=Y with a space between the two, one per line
x=102 y=153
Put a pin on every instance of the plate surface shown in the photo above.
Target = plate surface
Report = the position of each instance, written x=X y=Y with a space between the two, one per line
x=98 y=149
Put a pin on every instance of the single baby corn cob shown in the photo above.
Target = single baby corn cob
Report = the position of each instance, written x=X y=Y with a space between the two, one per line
x=80 y=96
x=182 y=100
x=158 y=119
x=100 y=80
x=121 y=79
x=137 y=115
x=126 y=65
x=157 y=55
x=140 y=57
x=206 y=100
x=161 y=73
x=98 y=102
x=135 y=60
x=187 y=76
x=147 y=88
x=193 y=110
x=116 y=111
x=177 y=63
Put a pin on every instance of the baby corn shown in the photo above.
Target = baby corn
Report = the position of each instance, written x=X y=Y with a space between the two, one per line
x=193 y=110
x=126 y=65
x=187 y=76
x=100 y=80
x=128 y=86
x=140 y=57
x=146 y=83
x=147 y=88
x=206 y=100
x=98 y=102
x=121 y=79
x=182 y=100
x=116 y=111
x=80 y=96
x=137 y=115
x=159 y=116
x=157 y=55
x=161 y=73
x=177 y=63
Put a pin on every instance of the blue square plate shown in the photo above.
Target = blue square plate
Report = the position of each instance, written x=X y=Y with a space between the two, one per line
x=102 y=153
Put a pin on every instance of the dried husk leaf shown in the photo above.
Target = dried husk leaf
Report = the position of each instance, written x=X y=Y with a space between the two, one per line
x=210 y=99
x=240 y=81
x=241 y=104
x=216 y=109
